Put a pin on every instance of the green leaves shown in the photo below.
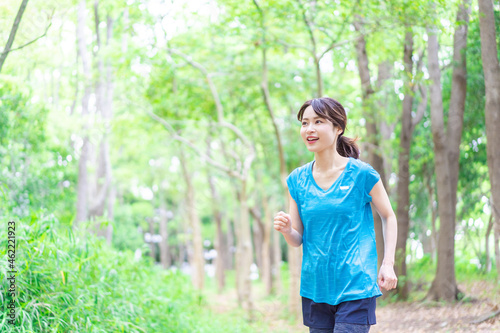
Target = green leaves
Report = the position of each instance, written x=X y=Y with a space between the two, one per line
x=80 y=284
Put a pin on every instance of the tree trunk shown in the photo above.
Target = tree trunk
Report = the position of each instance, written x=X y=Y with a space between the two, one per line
x=487 y=244
x=229 y=254
x=164 y=253
x=264 y=233
x=98 y=198
x=434 y=232
x=13 y=31
x=266 y=248
x=82 y=187
x=108 y=115
x=102 y=183
x=111 y=205
x=319 y=79
x=362 y=57
x=374 y=155
x=104 y=97
x=457 y=99
x=152 y=231
x=496 y=238
x=294 y=265
x=182 y=252
x=258 y=237
x=317 y=68
x=447 y=152
x=198 y=261
x=277 y=287
x=491 y=69
x=244 y=245
x=219 y=244
x=385 y=130
x=444 y=285
x=403 y=196
x=221 y=248
x=244 y=254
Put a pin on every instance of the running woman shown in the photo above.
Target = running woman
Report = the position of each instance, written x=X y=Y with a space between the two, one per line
x=330 y=215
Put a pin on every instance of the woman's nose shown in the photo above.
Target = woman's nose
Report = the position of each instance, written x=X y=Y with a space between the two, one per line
x=310 y=128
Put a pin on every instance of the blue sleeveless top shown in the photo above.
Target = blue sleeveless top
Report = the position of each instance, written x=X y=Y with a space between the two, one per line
x=339 y=252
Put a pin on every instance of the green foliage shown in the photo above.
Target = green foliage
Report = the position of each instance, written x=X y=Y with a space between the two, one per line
x=421 y=273
x=34 y=169
x=66 y=280
x=128 y=220
x=69 y=283
x=473 y=180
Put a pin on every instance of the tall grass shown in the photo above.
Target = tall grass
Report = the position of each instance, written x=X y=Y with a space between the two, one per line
x=70 y=283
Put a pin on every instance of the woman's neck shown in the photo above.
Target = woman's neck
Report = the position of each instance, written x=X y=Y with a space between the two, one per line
x=328 y=160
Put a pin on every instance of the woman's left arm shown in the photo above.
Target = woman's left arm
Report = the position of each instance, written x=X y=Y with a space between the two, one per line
x=386 y=277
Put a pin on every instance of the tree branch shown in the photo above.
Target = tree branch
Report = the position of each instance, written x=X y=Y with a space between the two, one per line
x=220 y=114
x=258 y=8
x=294 y=46
x=334 y=45
x=202 y=155
x=335 y=42
x=198 y=66
x=309 y=28
x=13 y=32
x=486 y=317
x=420 y=63
x=34 y=40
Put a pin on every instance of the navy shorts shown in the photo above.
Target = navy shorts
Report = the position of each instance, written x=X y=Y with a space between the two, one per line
x=323 y=315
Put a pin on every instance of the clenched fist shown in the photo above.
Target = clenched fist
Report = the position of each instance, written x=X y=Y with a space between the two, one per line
x=386 y=277
x=283 y=223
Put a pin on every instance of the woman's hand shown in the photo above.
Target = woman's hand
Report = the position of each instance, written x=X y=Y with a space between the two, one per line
x=290 y=225
x=283 y=223
x=387 y=277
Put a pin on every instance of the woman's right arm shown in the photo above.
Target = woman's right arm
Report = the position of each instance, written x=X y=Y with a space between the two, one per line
x=290 y=225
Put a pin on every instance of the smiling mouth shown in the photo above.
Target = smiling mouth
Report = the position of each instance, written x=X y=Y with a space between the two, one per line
x=312 y=139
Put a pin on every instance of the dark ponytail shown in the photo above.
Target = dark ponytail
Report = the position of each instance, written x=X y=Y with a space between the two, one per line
x=347 y=147
x=332 y=110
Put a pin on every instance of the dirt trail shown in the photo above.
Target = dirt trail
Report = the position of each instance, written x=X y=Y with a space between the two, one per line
x=483 y=298
x=421 y=318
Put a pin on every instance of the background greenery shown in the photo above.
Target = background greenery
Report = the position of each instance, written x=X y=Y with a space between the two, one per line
x=73 y=281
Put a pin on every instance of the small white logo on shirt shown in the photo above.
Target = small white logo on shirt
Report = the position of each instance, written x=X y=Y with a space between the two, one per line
x=344 y=187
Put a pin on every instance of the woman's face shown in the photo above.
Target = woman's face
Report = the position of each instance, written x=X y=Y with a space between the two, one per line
x=318 y=133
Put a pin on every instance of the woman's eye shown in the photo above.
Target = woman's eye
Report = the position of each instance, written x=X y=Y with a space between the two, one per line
x=304 y=123
x=318 y=121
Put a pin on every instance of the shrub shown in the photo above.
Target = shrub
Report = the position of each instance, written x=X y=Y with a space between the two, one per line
x=76 y=283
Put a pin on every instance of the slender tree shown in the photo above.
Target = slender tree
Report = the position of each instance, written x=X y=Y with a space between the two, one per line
x=164 y=216
x=219 y=243
x=83 y=181
x=102 y=195
x=375 y=157
x=244 y=251
x=197 y=260
x=491 y=68
x=446 y=150
x=294 y=253
x=13 y=32
x=408 y=124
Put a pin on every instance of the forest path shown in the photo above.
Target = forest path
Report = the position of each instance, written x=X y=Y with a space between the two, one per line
x=482 y=298
x=416 y=317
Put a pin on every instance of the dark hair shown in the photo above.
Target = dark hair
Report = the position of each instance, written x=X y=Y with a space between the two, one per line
x=333 y=111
